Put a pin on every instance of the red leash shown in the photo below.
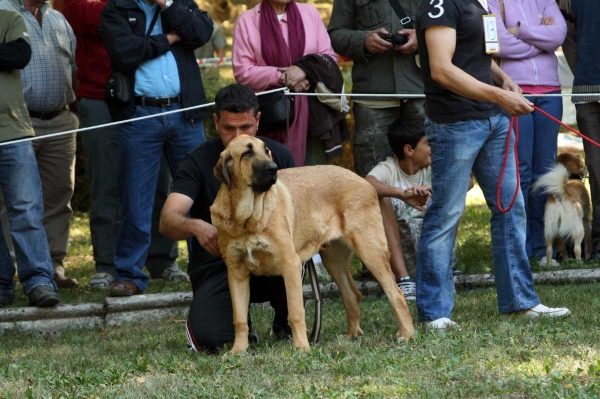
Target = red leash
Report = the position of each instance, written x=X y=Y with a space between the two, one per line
x=514 y=121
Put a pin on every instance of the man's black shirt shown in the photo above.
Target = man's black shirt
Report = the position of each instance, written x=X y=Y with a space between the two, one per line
x=196 y=180
x=466 y=17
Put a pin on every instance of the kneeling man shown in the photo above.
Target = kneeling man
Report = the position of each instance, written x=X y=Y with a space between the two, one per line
x=210 y=321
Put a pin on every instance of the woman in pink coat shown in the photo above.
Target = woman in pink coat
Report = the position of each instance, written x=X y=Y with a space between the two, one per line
x=267 y=40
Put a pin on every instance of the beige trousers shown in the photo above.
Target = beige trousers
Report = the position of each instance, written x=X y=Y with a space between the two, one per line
x=56 y=163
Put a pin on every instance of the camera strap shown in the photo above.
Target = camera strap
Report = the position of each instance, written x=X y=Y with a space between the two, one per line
x=405 y=20
x=152 y=23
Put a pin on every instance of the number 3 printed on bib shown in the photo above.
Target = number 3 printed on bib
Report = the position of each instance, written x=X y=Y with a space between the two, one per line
x=438 y=6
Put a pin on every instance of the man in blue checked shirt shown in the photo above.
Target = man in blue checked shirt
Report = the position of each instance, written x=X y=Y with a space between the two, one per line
x=48 y=90
x=163 y=75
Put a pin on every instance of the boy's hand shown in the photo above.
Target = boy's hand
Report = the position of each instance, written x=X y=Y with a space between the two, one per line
x=418 y=197
x=420 y=190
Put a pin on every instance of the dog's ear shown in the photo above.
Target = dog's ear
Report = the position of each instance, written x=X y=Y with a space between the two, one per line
x=224 y=169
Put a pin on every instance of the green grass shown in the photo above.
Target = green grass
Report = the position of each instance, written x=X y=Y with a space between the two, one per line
x=491 y=356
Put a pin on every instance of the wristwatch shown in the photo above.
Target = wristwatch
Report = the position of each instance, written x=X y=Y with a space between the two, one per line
x=168 y=3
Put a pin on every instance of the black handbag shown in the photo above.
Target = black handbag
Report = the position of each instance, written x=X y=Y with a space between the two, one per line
x=118 y=89
x=274 y=111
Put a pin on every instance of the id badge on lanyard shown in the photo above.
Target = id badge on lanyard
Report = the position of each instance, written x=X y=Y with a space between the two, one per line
x=490 y=31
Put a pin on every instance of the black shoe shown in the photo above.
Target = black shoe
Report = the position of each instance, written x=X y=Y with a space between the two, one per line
x=457 y=272
x=43 y=296
x=253 y=336
x=282 y=332
x=6 y=300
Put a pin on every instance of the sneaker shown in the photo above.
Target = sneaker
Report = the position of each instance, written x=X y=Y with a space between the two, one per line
x=457 y=272
x=101 y=280
x=124 y=288
x=43 y=296
x=553 y=262
x=282 y=332
x=544 y=311
x=6 y=300
x=408 y=288
x=175 y=274
x=441 y=324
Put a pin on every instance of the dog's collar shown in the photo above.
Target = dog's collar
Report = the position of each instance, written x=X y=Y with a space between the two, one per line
x=573 y=176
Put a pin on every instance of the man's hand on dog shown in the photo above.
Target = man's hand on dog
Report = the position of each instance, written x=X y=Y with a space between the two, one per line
x=207 y=237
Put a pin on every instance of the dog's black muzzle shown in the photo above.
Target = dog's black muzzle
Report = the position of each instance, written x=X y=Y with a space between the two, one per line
x=265 y=175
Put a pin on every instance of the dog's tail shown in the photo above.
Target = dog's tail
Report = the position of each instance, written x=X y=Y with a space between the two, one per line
x=562 y=217
x=553 y=182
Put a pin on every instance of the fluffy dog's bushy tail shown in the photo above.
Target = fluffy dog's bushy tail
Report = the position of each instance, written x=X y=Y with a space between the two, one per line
x=562 y=217
x=553 y=182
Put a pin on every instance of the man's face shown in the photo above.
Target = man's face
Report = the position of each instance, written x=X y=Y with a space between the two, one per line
x=231 y=125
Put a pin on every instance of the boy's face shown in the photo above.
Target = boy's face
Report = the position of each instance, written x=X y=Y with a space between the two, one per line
x=422 y=153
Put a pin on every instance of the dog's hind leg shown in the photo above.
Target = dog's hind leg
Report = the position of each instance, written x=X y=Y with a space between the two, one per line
x=239 y=286
x=336 y=259
x=577 y=240
x=371 y=246
x=587 y=239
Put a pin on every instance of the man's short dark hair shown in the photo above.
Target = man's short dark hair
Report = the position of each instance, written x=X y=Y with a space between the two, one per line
x=237 y=99
x=405 y=130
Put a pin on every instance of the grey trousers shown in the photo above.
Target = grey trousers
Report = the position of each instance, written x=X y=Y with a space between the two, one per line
x=100 y=150
x=56 y=163
x=370 y=144
x=588 y=121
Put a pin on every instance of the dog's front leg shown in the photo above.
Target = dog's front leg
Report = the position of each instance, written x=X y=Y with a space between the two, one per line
x=296 y=317
x=239 y=287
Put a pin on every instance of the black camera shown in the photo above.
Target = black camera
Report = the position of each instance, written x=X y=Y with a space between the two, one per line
x=397 y=39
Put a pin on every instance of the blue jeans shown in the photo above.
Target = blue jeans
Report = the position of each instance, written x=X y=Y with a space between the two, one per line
x=101 y=167
x=537 y=155
x=141 y=146
x=456 y=149
x=22 y=190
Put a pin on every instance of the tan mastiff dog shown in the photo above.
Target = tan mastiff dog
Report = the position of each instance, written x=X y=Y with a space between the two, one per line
x=269 y=222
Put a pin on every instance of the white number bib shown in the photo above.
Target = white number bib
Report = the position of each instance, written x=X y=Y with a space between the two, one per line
x=490 y=31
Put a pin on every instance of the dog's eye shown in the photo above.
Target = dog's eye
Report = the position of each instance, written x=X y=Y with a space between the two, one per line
x=267 y=150
x=248 y=153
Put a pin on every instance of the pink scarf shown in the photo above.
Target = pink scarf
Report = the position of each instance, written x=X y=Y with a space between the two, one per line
x=275 y=50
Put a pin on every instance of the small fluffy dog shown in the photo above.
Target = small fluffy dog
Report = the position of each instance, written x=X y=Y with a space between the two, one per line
x=568 y=214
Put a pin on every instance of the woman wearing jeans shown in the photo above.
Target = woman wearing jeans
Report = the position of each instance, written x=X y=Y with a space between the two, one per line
x=529 y=32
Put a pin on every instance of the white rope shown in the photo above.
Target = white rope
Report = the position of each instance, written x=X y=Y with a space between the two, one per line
x=286 y=92
x=379 y=96
x=141 y=118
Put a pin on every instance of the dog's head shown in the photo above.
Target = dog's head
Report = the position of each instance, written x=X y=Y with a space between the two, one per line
x=247 y=162
x=574 y=164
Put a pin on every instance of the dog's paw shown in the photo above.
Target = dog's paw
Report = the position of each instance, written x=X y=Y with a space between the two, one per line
x=406 y=336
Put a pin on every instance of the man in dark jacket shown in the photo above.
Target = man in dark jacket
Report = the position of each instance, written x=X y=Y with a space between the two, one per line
x=582 y=43
x=100 y=150
x=163 y=76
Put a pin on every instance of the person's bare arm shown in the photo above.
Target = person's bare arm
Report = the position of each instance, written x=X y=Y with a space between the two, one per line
x=177 y=225
x=418 y=202
x=441 y=44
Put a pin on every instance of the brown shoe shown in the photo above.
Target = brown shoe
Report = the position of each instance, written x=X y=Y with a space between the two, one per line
x=63 y=282
x=124 y=288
